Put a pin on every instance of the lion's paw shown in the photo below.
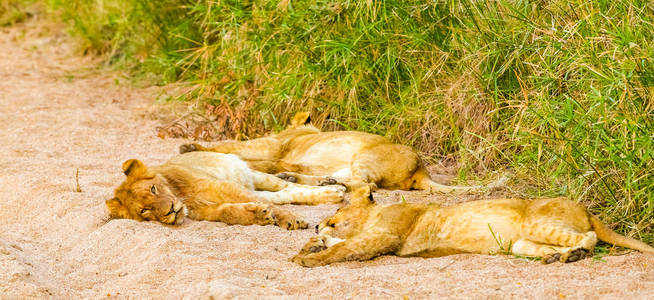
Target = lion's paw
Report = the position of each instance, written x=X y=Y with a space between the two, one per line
x=574 y=255
x=315 y=244
x=551 y=258
x=333 y=193
x=265 y=215
x=289 y=221
x=328 y=181
x=305 y=260
x=188 y=148
x=567 y=257
x=294 y=224
x=287 y=177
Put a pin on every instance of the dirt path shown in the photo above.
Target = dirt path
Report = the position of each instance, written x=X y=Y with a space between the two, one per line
x=55 y=243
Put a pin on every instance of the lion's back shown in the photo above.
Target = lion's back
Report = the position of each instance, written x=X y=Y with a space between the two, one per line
x=337 y=148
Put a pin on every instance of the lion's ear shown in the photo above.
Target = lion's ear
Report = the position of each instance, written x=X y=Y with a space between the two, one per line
x=116 y=209
x=135 y=168
x=362 y=196
x=301 y=118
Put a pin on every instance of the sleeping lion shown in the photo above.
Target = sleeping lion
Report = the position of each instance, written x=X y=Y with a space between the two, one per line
x=213 y=187
x=303 y=154
x=554 y=229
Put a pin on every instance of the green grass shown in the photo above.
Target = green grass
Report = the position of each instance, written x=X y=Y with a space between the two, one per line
x=560 y=91
x=15 y=11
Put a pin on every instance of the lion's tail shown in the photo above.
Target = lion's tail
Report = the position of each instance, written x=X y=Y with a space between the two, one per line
x=435 y=187
x=424 y=182
x=605 y=234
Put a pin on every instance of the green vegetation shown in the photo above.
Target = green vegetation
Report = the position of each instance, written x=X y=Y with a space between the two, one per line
x=14 y=11
x=560 y=91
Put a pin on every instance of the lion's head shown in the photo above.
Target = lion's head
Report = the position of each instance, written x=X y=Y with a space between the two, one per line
x=145 y=196
x=349 y=218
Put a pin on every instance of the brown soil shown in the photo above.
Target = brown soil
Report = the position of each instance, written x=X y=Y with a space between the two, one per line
x=55 y=242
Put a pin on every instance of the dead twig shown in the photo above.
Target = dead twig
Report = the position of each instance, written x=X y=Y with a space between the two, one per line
x=78 y=188
x=445 y=266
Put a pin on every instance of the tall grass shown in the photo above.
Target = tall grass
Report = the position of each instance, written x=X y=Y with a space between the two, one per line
x=561 y=91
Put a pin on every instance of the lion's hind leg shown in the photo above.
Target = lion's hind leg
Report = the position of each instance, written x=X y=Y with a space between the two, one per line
x=266 y=182
x=559 y=222
x=556 y=242
x=265 y=148
x=549 y=253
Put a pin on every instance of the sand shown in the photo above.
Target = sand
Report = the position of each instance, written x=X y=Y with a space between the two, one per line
x=56 y=117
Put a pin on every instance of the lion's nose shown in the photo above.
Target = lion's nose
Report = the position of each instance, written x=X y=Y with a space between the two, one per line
x=316 y=229
x=178 y=206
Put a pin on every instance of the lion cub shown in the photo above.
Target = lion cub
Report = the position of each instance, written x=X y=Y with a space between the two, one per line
x=213 y=187
x=303 y=154
x=554 y=229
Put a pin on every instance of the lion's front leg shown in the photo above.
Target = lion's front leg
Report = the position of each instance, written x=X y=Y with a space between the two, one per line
x=231 y=203
x=363 y=246
x=248 y=214
x=235 y=213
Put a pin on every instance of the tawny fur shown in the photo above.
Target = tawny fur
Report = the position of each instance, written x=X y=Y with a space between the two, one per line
x=304 y=154
x=555 y=229
x=213 y=187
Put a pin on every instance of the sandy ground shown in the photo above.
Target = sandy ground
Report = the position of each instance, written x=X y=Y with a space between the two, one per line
x=56 y=243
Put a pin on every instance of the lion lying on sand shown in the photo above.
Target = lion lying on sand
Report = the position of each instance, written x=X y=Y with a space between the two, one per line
x=213 y=187
x=304 y=154
x=554 y=229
